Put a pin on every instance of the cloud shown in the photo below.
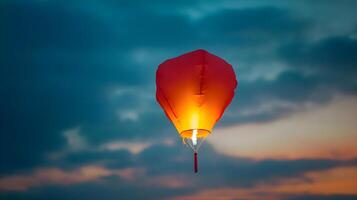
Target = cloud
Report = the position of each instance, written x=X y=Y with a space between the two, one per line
x=133 y=147
x=75 y=141
x=252 y=26
x=336 y=181
x=52 y=176
x=267 y=100
x=316 y=131
x=56 y=176
x=173 y=174
x=218 y=169
x=54 y=77
x=128 y=115
x=317 y=72
x=322 y=197
x=332 y=57
x=115 y=154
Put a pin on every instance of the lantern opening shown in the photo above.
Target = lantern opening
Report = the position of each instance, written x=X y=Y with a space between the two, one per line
x=194 y=141
x=200 y=133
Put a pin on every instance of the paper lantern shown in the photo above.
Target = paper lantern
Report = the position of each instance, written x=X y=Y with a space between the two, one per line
x=194 y=89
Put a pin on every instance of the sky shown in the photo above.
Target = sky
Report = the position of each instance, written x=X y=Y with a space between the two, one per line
x=79 y=118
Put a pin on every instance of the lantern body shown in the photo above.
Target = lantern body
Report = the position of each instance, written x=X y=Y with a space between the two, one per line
x=194 y=89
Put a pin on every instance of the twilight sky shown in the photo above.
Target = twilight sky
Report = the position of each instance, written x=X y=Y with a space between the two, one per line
x=79 y=119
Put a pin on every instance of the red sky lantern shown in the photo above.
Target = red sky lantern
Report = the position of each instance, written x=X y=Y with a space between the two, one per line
x=194 y=89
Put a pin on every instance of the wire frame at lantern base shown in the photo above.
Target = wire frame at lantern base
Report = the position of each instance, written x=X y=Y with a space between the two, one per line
x=194 y=138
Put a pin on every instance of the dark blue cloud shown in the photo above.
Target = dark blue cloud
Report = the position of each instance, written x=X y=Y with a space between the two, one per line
x=216 y=170
x=331 y=59
x=115 y=159
x=292 y=87
x=317 y=72
x=323 y=197
x=257 y=26
x=109 y=191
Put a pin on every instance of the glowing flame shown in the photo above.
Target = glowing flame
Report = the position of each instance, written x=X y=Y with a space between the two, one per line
x=194 y=136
